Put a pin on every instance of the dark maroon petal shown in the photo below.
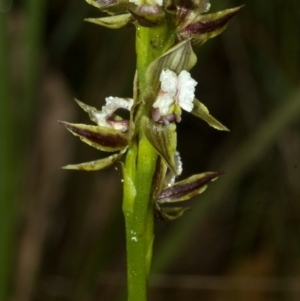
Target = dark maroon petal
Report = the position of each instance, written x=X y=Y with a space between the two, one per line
x=207 y=25
x=101 y=138
x=185 y=188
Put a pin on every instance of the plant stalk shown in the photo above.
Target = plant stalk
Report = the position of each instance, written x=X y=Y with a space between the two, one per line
x=139 y=168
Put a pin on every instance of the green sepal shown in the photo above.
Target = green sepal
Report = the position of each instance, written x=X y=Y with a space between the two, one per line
x=207 y=26
x=137 y=106
x=103 y=138
x=163 y=138
x=148 y=20
x=112 y=7
x=92 y=111
x=178 y=58
x=113 y=22
x=201 y=111
x=171 y=213
x=186 y=189
x=158 y=181
x=97 y=164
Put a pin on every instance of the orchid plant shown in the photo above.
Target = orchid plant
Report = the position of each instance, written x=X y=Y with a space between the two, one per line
x=167 y=34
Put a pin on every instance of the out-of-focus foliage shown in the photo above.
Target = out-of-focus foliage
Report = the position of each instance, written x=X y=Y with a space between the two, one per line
x=241 y=241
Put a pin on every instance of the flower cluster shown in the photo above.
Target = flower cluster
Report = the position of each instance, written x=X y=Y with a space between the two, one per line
x=170 y=88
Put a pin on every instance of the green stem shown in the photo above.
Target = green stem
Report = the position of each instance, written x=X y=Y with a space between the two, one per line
x=138 y=212
x=139 y=169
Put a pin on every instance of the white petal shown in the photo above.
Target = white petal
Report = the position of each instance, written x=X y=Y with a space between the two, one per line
x=169 y=82
x=112 y=104
x=101 y=118
x=163 y=103
x=186 y=91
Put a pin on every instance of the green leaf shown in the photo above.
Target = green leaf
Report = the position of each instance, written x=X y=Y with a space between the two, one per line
x=113 y=22
x=178 y=58
x=187 y=188
x=172 y=213
x=97 y=164
x=207 y=26
x=102 y=138
x=163 y=138
x=201 y=111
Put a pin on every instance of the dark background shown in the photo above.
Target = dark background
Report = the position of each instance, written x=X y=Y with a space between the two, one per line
x=64 y=233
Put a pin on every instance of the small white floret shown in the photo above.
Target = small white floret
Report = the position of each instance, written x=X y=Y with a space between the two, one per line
x=113 y=104
x=175 y=90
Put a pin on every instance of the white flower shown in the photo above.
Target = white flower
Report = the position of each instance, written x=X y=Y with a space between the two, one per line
x=175 y=91
x=113 y=104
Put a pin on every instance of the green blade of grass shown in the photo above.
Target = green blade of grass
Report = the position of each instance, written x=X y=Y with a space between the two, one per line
x=7 y=163
x=35 y=19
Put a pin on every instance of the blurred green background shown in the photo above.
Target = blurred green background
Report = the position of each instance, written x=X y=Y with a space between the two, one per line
x=62 y=232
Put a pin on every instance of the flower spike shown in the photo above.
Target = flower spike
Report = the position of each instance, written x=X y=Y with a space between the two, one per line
x=167 y=31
